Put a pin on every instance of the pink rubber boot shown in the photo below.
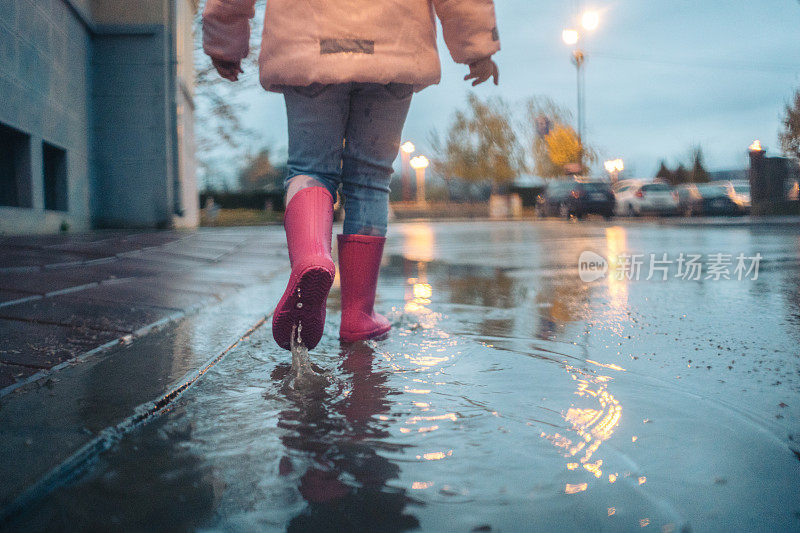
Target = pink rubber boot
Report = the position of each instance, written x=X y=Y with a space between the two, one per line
x=308 y=220
x=359 y=263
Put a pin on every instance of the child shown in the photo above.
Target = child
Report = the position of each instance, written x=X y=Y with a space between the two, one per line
x=347 y=70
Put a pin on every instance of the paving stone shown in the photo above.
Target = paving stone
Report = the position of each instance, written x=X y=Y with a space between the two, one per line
x=132 y=268
x=45 y=345
x=175 y=260
x=258 y=252
x=259 y=269
x=47 y=281
x=142 y=291
x=199 y=252
x=250 y=263
x=42 y=241
x=99 y=249
x=10 y=374
x=10 y=296
x=235 y=278
x=218 y=287
x=69 y=310
x=16 y=257
x=156 y=239
x=221 y=241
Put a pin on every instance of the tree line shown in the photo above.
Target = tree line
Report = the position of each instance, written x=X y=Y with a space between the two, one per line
x=695 y=172
x=493 y=140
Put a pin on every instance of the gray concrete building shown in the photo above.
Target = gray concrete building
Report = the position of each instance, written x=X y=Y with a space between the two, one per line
x=96 y=112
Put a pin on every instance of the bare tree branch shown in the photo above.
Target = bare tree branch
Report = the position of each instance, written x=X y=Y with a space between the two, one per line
x=220 y=109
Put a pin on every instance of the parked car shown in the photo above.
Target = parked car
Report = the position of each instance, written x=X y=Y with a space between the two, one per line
x=705 y=199
x=739 y=192
x=622 y=185
x=578 y=198
x=640 y=198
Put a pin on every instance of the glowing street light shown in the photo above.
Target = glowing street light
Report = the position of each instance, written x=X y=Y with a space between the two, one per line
x=569 y=37
x=590 y=20
x=406 y=149
x=420 y=163
x=615 y=165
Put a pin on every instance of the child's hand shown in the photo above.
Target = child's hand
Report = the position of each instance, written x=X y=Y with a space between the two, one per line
x=482 y=70
x=229 y=70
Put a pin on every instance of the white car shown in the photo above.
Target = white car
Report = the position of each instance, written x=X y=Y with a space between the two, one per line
x=622 y=185
x=739 y=192
x=636 y=198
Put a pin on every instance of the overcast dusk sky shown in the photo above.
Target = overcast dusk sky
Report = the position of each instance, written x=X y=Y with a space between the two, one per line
x=661 y=76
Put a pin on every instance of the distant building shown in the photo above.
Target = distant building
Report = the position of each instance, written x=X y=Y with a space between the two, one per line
x=773 y=183
x=96 y=114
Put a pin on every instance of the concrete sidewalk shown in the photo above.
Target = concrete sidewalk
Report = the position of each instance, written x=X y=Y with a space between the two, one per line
x=62 y=297
x=99 y=331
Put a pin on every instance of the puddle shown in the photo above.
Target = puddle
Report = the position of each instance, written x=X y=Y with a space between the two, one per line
x=509 y=396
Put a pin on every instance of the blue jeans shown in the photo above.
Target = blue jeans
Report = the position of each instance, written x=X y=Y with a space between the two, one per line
x=348 y=134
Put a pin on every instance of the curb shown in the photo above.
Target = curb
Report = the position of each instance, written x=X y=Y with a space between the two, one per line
x=77 y=463
x=125 y=339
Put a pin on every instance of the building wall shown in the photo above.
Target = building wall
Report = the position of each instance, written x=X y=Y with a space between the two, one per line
x=45 y=57
x=131 y=162
x=187 y=171
x=129 y=12
x=137 y=164
x=98 y=79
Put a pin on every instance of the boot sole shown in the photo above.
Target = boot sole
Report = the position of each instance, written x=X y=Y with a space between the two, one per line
x=314 y=285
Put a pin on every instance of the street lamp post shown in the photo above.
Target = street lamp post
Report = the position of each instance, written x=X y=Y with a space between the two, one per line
x=420 y=163
x=589 y=20
x=578 y=59
x=406 y=149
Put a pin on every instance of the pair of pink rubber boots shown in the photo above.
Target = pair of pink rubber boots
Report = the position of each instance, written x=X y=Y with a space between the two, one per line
x=308 y=222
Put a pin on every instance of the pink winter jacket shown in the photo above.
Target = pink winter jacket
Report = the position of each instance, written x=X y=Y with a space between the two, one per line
x=337 y=41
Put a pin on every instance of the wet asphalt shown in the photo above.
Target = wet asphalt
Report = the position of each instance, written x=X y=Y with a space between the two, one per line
x=511 y=395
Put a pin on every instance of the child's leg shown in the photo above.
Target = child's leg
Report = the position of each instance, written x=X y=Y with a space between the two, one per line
x=297 y=183
x=316 y=117
x=316 y=132
x=374 y=127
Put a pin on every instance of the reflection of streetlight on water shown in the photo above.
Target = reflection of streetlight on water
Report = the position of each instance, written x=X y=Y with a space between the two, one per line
x=406 y=149
x=420 y=163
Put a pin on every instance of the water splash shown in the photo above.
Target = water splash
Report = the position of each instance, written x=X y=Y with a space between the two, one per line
x=303 y=375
